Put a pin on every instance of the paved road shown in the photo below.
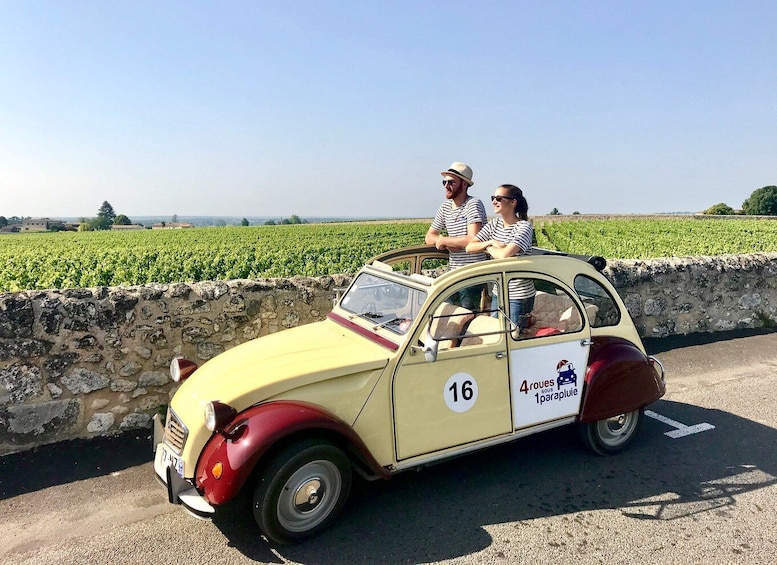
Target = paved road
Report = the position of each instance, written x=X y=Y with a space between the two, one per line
x=703 y=497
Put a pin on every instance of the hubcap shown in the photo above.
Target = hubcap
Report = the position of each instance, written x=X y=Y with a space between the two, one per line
x=309 y=496
x=618 y=429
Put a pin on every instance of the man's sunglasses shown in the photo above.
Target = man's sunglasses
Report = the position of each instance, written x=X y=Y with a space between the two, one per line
x=448 y=182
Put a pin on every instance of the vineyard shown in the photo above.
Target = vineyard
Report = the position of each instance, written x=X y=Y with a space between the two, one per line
x=89 y=259
x=651 y=238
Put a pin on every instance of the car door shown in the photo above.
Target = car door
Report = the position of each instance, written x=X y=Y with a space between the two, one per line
x=464 y=394
x=549 y=358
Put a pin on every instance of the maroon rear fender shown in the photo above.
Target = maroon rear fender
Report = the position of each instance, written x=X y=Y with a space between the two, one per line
x=239 y=447
x=619 y=378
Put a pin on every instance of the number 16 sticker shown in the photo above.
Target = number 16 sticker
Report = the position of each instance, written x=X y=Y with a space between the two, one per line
x=460 y=392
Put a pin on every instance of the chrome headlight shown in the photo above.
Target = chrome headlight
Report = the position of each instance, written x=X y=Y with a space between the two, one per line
x=181 y=369
x=218 y=415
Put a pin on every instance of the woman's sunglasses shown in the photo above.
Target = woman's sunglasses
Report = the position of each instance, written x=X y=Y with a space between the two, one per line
x=498 y=198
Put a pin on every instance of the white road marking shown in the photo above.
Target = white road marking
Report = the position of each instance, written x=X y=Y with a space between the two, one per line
x=682 y=430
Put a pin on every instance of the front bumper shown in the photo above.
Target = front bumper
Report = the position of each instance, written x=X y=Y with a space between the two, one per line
x=179 y=490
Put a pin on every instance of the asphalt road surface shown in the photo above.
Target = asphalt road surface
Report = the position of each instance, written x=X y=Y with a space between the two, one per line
x=699 y=485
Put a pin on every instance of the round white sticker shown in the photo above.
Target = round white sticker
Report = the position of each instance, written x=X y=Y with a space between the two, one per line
x=460 y=392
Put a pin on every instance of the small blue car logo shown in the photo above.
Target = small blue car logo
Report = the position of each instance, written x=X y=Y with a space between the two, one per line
x=566 y=374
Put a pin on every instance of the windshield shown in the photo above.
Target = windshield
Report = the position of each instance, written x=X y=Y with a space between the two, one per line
x=386 y=303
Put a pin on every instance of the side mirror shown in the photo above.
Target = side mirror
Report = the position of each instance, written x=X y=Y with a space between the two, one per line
x=431 y=346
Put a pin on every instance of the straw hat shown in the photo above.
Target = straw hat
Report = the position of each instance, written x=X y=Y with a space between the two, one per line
x=460 y=170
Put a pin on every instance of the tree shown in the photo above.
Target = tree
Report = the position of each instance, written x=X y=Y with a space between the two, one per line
x=555 y=212
x=122 y=220
x=3 y=221
x=269 y=223
x=763 y=202
x=175 y=219
x=720 y=209
x=105 y=217
x=91 y=224
x=106 y=211
x=244 y=222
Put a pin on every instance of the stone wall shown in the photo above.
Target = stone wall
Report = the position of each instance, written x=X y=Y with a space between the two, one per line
x=93 y=361
x=85 y=362
x=698 y=294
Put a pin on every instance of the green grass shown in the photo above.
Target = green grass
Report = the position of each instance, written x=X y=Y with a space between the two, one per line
x=88 y=259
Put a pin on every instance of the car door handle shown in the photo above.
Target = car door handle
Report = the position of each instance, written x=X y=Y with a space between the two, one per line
x=586 y=342
x=500 y=355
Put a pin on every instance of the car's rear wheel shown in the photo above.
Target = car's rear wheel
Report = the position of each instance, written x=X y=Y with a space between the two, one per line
x=301 y=491
x=611 y=435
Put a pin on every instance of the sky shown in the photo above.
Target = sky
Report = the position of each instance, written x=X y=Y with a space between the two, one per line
x=352 y=108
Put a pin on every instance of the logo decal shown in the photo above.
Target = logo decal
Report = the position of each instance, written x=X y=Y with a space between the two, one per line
x=566 y=374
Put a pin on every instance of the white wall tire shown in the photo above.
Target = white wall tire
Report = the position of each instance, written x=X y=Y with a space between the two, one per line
x=301 y=491
x=611 y=435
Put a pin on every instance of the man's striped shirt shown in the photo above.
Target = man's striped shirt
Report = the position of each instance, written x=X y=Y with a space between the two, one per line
x=455 y=222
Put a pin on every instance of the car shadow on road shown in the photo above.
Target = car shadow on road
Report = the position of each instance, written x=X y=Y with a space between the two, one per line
x=656 y=345
x=442 y=512
x=74 y=460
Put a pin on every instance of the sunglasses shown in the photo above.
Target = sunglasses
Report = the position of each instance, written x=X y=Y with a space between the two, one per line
x=448 y=182
x=499 y=198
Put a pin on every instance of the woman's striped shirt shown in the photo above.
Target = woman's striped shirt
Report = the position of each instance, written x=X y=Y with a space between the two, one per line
x=520 y=233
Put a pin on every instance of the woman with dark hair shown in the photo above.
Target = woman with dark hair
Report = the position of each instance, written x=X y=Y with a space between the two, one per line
x=506 y=235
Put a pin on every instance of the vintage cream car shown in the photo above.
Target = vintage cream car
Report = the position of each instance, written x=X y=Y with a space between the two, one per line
x=398 y=376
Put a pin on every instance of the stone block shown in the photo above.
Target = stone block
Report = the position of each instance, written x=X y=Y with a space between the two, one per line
x=135 y=421
x=19 y=383
x=154 y=378
x=37 y=424
x=82 y=381
x=101 y=422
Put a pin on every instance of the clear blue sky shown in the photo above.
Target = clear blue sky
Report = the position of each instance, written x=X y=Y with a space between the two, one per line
x=352 y=108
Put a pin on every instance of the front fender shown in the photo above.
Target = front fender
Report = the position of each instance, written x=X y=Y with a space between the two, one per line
x=238 y=449
x=619 y=378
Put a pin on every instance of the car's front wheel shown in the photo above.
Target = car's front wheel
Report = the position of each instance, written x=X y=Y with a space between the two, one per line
x=611 y=435
x=301 y=491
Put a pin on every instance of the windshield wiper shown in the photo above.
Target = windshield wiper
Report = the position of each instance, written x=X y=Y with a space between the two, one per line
x=368 y=314
x=393 y=320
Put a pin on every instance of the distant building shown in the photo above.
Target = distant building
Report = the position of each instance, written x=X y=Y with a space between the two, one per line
x=119 y=227
x=11 y=228
x=41 y=224
x=171 y=225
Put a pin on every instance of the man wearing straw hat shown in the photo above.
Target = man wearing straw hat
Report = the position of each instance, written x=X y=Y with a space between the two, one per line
x=461 y=216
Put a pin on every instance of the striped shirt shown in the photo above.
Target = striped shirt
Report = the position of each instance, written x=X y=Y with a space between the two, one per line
x=455 y=221
x=520 y=233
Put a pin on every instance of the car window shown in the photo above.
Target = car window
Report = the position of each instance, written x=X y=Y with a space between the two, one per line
x=551 y=311
x=387 y=303
x=433 y=267
x=467 y=317
x=592 y=292
x=404 y=266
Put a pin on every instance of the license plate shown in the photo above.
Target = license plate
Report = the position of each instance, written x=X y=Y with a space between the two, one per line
x=170 y=460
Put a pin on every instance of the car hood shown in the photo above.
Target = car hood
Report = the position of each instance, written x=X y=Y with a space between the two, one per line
x=272 y=365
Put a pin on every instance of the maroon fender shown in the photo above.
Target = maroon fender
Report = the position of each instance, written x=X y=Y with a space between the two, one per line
x=253 y=432
x=619 y=378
